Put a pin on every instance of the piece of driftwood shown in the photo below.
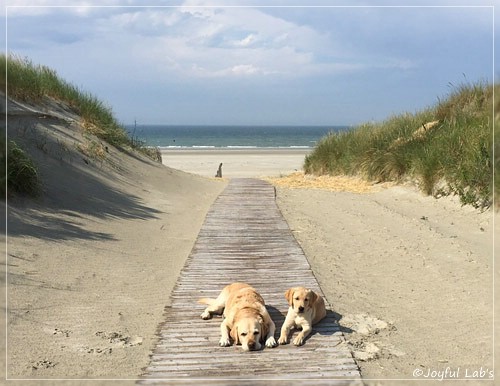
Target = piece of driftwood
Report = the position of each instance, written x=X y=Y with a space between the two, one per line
x=219 y=171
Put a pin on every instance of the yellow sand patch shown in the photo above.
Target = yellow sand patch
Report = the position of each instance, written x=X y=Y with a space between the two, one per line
x=332 y=183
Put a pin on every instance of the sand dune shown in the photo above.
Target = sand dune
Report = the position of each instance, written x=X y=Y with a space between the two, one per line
x=93 y=260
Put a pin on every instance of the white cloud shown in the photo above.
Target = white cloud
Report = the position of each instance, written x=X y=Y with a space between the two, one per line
x=46 y=7
x=200 y=42
x=246 y=42
x=239 y=70
x=244 y=69
x=206 y=42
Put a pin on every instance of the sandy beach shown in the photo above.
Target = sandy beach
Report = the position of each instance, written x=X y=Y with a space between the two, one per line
x=237 y=162
x=91 y=263
x=412 y=277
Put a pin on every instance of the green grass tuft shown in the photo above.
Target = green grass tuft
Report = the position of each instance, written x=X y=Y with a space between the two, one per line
x=22 y=174
x=451 y=154
x=31 y=82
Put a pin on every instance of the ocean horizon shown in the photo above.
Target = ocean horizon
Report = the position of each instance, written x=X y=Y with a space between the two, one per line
x=230 y=136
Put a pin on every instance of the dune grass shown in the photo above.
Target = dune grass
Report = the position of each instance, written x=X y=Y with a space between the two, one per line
x=21 y=174
x=29 y=82
x=447 y=148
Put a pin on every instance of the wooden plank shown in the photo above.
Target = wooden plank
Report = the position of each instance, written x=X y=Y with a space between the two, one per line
x=245 y=238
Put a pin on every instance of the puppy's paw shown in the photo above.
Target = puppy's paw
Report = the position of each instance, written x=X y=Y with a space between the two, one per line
x=298 y=341
x=224 y=342
x=283 y=340
x=206 y=315
x=271 y=342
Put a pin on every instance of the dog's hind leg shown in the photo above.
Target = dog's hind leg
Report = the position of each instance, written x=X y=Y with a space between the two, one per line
x=215 y=306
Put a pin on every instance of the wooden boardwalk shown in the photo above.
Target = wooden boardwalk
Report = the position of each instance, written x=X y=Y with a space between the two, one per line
x=245 y=238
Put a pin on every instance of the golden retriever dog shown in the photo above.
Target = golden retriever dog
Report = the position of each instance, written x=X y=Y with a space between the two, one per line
x=306 y=308
x=246 y=319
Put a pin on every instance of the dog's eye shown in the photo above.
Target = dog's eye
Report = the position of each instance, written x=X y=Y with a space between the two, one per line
x=256 y=332
x=243 y=334
x=297 y=298
x=306 y=299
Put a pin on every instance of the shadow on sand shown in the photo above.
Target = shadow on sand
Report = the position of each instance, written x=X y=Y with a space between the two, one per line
x=74 y=188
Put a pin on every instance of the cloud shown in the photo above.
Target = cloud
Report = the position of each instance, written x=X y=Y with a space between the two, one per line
x=207 y=42
x=192 y=41
x=238 y=70
x=186 y=40
x=245 y=42
x=244 y=69
x=47 y=7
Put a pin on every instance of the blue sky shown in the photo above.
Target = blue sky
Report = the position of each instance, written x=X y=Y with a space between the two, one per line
x=202 y=62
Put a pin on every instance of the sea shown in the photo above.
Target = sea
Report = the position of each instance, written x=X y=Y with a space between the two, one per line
x=193 y=136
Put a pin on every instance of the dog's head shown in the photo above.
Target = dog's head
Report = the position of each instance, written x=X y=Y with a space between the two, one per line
x=300 y=299
x=248 y=331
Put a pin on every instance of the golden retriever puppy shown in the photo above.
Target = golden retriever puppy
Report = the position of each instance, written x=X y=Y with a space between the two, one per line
x=306 y=308
x=246 y=319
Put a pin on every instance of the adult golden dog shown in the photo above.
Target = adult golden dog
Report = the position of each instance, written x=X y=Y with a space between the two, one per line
x=306 y=308
x=246 y=319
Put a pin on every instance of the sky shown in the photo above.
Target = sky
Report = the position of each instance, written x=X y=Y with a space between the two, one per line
x=285 y=63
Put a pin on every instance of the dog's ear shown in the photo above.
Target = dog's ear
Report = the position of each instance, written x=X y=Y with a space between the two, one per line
x=289 y=296
x=313 y=296
x=264 y=329
x=234 y=334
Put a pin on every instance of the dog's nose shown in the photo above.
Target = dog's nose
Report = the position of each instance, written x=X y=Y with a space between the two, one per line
x=251 y=345
x=301 y=309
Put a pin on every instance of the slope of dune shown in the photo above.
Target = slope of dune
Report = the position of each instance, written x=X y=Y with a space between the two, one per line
x=92 y=260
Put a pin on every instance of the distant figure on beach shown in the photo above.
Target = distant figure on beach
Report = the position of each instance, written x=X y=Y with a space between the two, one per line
x=219 y=171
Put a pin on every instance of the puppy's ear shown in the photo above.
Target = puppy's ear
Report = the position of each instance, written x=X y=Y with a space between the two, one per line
x=289 y=296
x=234 y=334
x=313 y=296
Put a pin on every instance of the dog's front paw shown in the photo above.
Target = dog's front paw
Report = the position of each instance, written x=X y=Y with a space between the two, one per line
x=205 y=315
x=224 y=342
x=283 y=340
x=271 y=342
x=298 y=341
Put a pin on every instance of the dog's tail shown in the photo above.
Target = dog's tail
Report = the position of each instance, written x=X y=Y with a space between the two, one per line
x=207 y=301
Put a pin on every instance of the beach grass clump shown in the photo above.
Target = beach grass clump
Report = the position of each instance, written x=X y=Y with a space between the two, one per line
x=496 y=144
x=30 y=82
x=21 y=174
x=447 y=148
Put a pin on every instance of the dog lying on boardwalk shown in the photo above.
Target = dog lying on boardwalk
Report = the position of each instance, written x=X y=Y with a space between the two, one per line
x=306 y=308
x=246 y=319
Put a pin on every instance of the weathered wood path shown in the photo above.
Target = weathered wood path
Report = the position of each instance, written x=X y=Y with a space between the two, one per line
x=245 y=238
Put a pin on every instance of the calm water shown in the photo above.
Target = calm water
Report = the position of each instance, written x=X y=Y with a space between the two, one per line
x=165 y=136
